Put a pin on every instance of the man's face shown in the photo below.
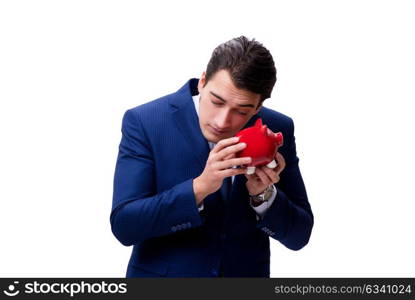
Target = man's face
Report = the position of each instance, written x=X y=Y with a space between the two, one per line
x=224 y=109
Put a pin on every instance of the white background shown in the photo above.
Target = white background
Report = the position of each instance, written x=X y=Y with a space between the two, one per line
x=69 y=70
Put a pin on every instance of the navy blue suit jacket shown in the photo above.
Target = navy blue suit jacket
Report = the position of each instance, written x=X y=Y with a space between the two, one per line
x=154 y=208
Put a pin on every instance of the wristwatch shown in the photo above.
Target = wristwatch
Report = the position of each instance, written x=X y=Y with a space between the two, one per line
x=263 y=197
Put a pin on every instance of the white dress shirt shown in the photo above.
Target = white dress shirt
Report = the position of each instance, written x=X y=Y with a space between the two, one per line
x=260 y=209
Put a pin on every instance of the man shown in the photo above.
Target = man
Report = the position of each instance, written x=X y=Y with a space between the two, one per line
x=181 y=196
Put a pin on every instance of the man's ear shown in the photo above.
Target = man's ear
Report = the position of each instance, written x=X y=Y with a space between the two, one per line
x=202 y=81
x=259 y=108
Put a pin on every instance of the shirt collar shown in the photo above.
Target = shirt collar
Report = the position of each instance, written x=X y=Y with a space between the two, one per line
x=196 y=99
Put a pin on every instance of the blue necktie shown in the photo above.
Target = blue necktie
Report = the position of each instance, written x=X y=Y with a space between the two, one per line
x=225 y=190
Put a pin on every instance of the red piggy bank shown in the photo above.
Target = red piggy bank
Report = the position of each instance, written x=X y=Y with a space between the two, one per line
x=260 y=146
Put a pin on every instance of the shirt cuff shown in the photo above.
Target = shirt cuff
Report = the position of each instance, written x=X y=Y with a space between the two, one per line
x=262 y=208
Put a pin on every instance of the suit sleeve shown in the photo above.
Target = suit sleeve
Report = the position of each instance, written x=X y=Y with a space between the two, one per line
x=138 y=212
x=289 y=219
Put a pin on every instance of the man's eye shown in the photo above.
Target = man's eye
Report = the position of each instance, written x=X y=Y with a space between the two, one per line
x=221 y=104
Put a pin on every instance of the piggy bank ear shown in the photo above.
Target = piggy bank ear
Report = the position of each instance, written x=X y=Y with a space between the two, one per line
x=258 y=123
x=264 y=130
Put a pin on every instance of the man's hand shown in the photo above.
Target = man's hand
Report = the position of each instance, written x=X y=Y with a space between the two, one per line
x=219 y=166
x=264 y=176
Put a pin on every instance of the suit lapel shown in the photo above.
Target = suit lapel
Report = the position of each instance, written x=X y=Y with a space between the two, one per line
x=188 y=124
x=187 y=121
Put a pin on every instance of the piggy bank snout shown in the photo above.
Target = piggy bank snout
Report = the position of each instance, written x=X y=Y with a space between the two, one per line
x=279 y=139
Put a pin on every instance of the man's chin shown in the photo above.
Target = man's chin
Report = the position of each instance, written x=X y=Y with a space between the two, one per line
x=215 y=138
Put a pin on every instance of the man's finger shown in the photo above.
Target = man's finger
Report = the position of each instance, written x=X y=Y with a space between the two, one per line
x=232 y=172
x=225 y=143
x=251 y=176
x=263 y=176
x=232 y=155
x=272 y=174
x=229 y=150
x=281 y=163
x=233 y=162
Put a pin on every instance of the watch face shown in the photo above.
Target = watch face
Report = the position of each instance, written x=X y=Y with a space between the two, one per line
x=264 y=196
x=267 y=193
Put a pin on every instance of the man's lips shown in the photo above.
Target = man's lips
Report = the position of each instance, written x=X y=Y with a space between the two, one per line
x=217 y=131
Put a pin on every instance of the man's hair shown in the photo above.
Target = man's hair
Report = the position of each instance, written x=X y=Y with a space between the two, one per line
x=249 y=64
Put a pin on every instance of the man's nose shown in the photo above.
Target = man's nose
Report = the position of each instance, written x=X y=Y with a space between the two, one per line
x=223 y=119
